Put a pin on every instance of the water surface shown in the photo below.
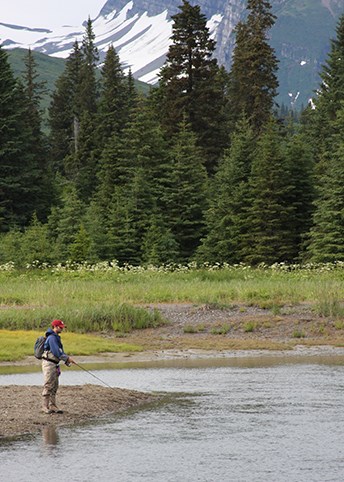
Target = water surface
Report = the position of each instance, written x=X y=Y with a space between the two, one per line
x=274 y=421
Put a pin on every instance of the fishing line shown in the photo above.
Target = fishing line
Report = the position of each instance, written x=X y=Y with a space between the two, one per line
x=93 y=375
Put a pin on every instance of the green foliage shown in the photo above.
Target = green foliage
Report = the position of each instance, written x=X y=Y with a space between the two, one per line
x=250 y=327
x=191 y=85
x=269 y=237
x=19 y=169
x=64 y=225
x=159 y=245
x=253 y=80
x=11 y=247
x=80 y=248
x=114 y=97
x=83 y=319
x=199 y=170
x=81 y=167
x=87 y=86
x=326 y=235
x=222 y=329
x=229 y=200
x=64 y=111
x=298 y=334
x=186 y=192
x=300 y=165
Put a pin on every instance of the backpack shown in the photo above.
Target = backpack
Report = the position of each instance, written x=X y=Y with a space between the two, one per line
x=38 y=348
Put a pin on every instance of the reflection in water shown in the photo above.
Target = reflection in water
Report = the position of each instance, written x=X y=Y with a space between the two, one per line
x=50 y=435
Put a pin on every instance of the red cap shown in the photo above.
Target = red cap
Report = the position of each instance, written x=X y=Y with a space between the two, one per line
x=58 y=323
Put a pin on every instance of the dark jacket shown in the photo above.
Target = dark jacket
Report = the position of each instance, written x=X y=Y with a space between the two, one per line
x=53 y=346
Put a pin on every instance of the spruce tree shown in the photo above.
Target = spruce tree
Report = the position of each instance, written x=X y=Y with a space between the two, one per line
x=132 y=171
x=19 y=171
x=123 y=232
x=64 y=223
x=95 y=222
x=300 y=161
x=87 y=89
x=80 y=248
x=36 y=247
x=65 y=111
x=39 y=178
x=327 y=234
x=74 y=99
x=112 y=103
x=324 y=126
x=329 y=98
x=80 y=162
x=145 y=149
x=132 y=94
x=253 y=84
x=186 y=194
x=11 y=244
x=81 y=167
x=225 y=218
x=159 y=246
x=9 y=149
x=268 y=236
x=331 y=92
x=191 y=84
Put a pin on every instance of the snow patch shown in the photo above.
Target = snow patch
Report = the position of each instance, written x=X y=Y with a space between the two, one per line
x=213 y=24
x=141 y=41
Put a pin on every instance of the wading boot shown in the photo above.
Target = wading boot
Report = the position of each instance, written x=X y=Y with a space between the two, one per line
x=52 y=405
x=45 y=404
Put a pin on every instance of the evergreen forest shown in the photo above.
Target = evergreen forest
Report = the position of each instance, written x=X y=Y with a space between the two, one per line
x=205 y=167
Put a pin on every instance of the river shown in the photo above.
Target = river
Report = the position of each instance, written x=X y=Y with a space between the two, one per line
x=259 y=419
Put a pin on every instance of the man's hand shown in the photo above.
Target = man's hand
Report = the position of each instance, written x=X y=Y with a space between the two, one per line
x=70 y=361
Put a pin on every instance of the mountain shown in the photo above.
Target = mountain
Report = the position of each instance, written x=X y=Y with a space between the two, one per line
x=140 y=31
x=49 y=70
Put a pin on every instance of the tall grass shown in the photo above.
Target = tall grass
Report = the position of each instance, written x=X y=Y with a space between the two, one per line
x=106 y=297
x=79 y=317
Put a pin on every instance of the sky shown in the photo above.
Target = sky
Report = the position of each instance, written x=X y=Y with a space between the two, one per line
x=48 y=13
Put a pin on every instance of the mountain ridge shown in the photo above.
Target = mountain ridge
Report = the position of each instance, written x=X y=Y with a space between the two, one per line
x=140 y=31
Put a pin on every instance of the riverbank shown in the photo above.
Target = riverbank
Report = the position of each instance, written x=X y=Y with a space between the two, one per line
x=201 y=331
x=192 y=332
x=21 y=413
x=240 y=326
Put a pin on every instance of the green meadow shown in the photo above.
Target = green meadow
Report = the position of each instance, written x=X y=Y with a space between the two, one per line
x=98 y=301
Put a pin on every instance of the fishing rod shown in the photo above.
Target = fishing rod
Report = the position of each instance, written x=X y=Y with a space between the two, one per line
x=93 y=375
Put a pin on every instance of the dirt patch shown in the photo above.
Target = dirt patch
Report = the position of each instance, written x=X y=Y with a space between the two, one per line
x=239 y=327
x=21 y=413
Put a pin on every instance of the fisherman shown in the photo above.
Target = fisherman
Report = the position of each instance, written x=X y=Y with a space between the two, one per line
x=53 y=354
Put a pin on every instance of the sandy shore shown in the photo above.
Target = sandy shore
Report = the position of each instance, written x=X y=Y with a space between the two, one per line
x=21 y=413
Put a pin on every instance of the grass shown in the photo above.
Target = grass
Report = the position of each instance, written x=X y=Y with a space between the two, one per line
x=95 y=300
x=221 y=329
x=80 y=317
x=197 y=328
x=16 y=345
x=222 y=287
x=249 y=327
x=298 y=334
x=105 y=299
